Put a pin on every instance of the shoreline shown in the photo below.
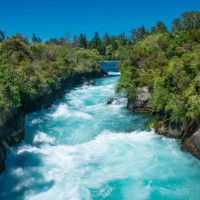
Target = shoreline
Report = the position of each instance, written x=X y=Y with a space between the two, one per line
x=188 y=134
x=12 y=132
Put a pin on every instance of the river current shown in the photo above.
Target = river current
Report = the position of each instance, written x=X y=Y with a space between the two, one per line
x=82 y=149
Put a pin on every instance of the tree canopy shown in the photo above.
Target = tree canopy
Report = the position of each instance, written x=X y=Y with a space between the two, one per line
x=168 y=64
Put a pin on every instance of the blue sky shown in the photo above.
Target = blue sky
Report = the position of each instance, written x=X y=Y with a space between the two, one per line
x=53 y=18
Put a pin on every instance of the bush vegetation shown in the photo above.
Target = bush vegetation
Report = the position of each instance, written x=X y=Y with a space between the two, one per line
x=28 y=71
x=168 y=63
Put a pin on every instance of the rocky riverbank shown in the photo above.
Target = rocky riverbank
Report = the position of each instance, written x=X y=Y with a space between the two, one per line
x=188 y=133
x=12 y=131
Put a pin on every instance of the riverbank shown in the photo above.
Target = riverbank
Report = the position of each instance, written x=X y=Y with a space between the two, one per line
x=96 y=151
x=32 y=77
x=188 y=134
x=12 y=131
x=161 y=76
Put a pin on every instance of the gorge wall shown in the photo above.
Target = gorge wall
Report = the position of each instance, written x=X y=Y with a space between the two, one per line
x=188 y=133
x=12 y=131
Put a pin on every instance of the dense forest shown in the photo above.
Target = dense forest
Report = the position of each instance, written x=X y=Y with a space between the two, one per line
x=104 y=48
x=168 y=64
x=30 y=71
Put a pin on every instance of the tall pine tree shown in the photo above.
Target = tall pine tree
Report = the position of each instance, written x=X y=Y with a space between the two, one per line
x=82 y=41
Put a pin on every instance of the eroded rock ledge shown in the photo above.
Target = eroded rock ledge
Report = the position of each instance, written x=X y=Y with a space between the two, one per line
x=189 y=134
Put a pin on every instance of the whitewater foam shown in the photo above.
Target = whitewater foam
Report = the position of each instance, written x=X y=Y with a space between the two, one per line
x=63 y=111
x=114 y=73
x=74 y=165
x=81 y=166
x=81 y=148
x=42 y=137
x=76 y=170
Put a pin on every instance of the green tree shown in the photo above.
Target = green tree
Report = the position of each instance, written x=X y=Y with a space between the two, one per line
x=122 y=38
x=115 y=46
x=191 y=20
x=138 y=34
x=75 y=42
x=96 y=43
x=160 y=27
x=82 y=41
x=16 y=47
x=56 y=41
x=2 y=36
x=36 y=39
x=177 y=25
x=106 y=40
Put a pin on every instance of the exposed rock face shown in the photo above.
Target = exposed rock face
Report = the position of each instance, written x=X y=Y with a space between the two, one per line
x=46 y=99
x=140 y=102
x=190 y=137
x=12 y=131
x=111 y=101
x=161 y=128
x=192 y=144
x=3 y=153
x=10 y=134
x=189 y=134
x=169 y=129
x=196 y=139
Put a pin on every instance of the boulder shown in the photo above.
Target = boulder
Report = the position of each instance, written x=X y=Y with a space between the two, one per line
x=175 y=129
x=111 y=101
x=192 y=144
x=141 y=101
x=196 y=139
x=169 y=129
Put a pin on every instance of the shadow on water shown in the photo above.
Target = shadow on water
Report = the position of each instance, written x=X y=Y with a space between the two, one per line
x=15 y=183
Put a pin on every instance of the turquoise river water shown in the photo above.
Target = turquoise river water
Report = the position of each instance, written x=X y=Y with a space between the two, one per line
x=82 y=149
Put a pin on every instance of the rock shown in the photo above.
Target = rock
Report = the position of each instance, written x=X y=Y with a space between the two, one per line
x=189 y=135
x=12 y=128
x=196 y=139
x=143 y=94
x=11 y=133
x=111 y=101
x=192 y=144
x=161 y=128
x=104 y=73
x=169 y=129
x=191 y=141
x=3 y=153
x=175 y=129
x=140 y=102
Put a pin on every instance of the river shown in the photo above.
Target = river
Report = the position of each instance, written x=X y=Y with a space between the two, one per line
x=81 y=149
